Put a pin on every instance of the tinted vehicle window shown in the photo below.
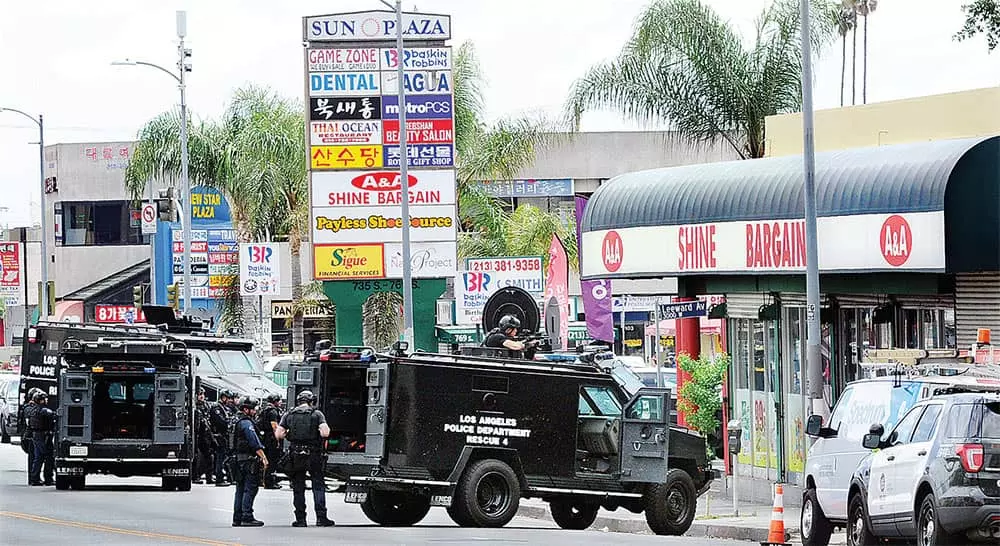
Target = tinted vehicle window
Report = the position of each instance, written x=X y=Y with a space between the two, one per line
x=927 y=424
x=959 y=417
x=991 y=420
x=901 y=434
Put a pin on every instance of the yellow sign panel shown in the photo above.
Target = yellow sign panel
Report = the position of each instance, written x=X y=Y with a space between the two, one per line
x=222 y=281
x=346 y=157
x=338 y=262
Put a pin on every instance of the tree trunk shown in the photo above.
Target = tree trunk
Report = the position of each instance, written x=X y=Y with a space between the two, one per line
x=295 y=248
x=864 y=65
x=854 y=65
x=843 y=66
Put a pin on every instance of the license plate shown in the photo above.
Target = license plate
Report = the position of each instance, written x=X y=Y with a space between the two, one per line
x=78 y=451
x=355 y=497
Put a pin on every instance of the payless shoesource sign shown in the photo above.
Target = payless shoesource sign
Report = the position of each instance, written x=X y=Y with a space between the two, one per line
x=356 y=190
x=863 y=242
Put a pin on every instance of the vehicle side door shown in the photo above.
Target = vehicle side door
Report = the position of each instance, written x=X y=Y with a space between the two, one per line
x=911 y=464
x=75 y=407
x=882 y=485
x=170 y=409
x=644 y=435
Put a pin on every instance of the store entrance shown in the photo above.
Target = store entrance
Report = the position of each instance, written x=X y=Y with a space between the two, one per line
x=758 y=399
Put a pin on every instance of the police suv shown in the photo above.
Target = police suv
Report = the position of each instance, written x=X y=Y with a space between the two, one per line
x=125 y=408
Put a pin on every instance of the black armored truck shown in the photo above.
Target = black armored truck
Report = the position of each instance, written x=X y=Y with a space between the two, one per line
x=125 y=407
x=478 y=431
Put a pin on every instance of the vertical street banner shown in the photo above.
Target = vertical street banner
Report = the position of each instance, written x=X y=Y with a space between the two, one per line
x=260 y=271
x=596 y=294
x=557 y=285
x=11 y=277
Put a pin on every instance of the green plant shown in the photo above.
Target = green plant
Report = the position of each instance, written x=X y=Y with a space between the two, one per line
x=700 y=398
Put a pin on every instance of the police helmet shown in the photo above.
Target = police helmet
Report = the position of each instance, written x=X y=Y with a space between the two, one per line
x=248 y=402
x=201 y=390
x=509 y=321
x=305 y=397
x=273 y=398
x=33 y=392
x=40 y=395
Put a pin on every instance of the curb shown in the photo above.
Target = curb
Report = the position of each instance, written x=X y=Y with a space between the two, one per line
x=699 y=528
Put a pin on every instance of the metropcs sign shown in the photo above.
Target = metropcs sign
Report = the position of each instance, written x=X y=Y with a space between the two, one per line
x=867 y=242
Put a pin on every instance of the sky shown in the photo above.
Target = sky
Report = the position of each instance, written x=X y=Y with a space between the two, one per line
x=55 y=59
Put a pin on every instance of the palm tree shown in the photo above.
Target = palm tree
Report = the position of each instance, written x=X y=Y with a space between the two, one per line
x=854 y=50
x=865 y=8
x=845 y=23
x=688 y=66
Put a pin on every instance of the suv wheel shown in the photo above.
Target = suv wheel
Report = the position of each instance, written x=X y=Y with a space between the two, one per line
x=858 y=533
x=488 y=495
x=392 y=509
x=4 y=437
x=929 y=531
x=62 y=483
x=670 y=505
x=573 y=515
x=816 y=529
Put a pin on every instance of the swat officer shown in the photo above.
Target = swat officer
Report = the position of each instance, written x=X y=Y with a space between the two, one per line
x=503 y=335
x=219 y=416
x=250 y=462
x=267 y=422
x=305 y=427
x=43 y=424
x=205 y=442
x=30 y=408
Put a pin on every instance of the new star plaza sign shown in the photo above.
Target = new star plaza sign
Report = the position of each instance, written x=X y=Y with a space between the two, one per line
x=862 y=242
x=351 y=86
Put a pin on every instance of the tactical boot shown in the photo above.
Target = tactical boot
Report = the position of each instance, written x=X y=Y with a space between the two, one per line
x=324 y=522
x=299 y=523
x=251 y=523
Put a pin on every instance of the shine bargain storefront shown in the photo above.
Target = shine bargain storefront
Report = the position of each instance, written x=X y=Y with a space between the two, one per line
x=909 y=239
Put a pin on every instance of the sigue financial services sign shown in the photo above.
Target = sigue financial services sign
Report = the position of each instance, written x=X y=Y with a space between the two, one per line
x=861 y=242
x=375 y=26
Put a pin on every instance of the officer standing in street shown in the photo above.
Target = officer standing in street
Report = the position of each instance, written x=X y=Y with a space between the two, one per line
x=30 y=408
x=267 y=422
x=306 y=428
x=43 y=425
x=250 y=463
x=205 y=442
x=219 y=417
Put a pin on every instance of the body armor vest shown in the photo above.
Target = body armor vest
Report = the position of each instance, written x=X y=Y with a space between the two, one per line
x=300 y=427
x=239 y=440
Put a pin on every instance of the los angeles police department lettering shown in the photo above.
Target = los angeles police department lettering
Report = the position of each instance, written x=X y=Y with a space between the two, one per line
x=486 y=430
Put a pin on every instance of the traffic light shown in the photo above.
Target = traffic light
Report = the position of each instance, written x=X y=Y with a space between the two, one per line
x=172 y=296
x=165 y=205
x=137 y=297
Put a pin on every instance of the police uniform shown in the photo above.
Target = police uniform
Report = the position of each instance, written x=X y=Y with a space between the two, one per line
x=495 y=338
x=205 y=442
x=219 y=416
x=26 y=444
x=42 y=424
x=246 y=468
x=272 y=446
x=305 y=447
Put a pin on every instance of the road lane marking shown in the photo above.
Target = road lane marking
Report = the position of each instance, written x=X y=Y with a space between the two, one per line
x=107 y=529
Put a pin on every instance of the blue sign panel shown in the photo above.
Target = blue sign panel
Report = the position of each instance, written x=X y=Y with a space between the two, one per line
x=421 y=155
x=418 y=107
x=542 y=187
x=686 y=309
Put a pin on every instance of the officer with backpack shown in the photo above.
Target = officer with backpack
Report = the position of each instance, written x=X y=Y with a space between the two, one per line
x=247 y=464
x=306 y=429
x=267 y=422
x=220 y=415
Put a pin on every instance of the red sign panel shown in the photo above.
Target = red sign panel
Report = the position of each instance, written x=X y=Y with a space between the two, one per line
x=117 y=314
x=420 y=131
x=10 y=265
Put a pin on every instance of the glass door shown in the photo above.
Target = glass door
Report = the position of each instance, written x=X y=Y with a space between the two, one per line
x=793 y=360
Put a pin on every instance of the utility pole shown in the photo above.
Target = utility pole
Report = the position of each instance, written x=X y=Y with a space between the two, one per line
x=814 y=357
x=183 y=68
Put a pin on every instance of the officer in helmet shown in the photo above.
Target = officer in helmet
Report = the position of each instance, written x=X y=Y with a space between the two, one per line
x=503 y=336
x=267 y=422
x=305 y=428
x=29 y=409
x=219 y=416
x=249 y=465
x=43 y=425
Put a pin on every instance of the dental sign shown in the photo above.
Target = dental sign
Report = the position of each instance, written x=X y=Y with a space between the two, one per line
x=352 y=84
x=864 y=242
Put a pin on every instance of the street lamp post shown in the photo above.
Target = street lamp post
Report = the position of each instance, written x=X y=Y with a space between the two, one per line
x=43 y=305
x=404 y=159
x=183 y=67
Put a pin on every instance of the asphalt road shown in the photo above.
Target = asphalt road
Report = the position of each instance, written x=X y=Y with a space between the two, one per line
x=130 y=511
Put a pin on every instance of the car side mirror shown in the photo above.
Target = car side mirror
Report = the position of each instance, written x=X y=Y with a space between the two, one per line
x=814 y=424
x=871 y=441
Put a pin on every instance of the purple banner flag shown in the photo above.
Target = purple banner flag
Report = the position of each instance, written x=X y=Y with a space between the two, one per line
x=596 y=294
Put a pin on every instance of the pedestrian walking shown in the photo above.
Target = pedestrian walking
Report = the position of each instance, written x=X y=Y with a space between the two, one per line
x=247 y=465
x=267 y=422
x=305 y=428
x=43 y=426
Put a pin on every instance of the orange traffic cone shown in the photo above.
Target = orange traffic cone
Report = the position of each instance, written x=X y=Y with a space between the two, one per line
x=776 y=534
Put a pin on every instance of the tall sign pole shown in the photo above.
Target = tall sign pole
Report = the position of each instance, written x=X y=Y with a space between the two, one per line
x=185 y=183
x=814 y=356
x=405 y=197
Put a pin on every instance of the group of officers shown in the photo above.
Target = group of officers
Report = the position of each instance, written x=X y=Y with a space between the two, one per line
x=239 y=441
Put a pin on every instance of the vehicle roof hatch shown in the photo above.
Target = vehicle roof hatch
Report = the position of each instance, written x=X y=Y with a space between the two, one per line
x=511 y=300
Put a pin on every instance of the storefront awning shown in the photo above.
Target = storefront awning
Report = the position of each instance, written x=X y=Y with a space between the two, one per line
x=924 y=206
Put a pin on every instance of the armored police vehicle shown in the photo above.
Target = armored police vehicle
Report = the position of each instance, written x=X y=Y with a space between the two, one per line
x=475 y=434
x=125 y=408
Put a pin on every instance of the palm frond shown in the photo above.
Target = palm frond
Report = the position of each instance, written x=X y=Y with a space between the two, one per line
x=382 y=319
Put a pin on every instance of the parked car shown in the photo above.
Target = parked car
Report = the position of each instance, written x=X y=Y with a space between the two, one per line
x=934 y=478
x=648 y=376
x=837 y=450
x=8 y=406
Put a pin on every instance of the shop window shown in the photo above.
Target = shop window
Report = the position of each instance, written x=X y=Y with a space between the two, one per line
x=101 y=223
x=742 y=360
x=759 y=356
x=796 y=342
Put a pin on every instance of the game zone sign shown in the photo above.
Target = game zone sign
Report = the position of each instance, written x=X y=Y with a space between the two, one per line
x=863 y=242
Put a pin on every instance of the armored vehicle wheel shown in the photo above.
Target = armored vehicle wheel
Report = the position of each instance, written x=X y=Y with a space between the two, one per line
x=62 y=483
x=392 y=509
x=78 y=482
x=4 y=437
x=457 y=517
x=488 y=495
x=168 y=484
x=670 y=505
x=573 y=515
x=182 y=484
